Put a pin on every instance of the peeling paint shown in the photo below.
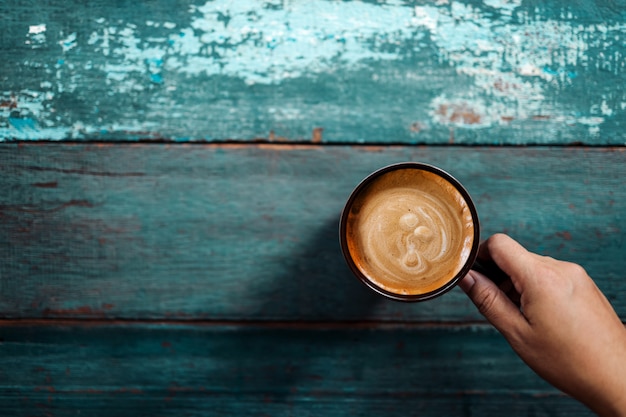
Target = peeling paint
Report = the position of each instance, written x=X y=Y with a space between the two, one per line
x=316 y=137
x=513 y=60
x=264 y=45
x=36 y=29
x=69 y=43
x=36 y=36
x=508 y=62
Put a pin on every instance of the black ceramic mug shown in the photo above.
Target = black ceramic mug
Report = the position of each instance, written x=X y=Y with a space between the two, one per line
x=410 y=231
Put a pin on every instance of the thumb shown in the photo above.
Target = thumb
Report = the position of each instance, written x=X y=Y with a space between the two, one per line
x=492 y=303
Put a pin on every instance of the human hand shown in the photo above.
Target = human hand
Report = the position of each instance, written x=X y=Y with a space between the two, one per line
x=557 y=320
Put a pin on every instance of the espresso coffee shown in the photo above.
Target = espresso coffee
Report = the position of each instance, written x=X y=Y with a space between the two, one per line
x=410 y=230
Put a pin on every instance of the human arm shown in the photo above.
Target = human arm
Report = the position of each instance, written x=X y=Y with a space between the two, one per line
x=557 y=320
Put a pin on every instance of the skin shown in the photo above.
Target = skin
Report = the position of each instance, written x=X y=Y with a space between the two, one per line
x=557 y=320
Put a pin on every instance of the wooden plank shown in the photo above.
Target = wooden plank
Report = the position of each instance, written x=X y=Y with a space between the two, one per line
x=490 y=72
x=230 y=370
x=200 y=405
x=208 y=232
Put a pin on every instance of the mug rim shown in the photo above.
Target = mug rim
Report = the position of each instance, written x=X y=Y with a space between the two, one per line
x=423 y=167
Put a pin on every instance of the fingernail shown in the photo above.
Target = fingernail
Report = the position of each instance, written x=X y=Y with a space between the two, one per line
x=467 y=282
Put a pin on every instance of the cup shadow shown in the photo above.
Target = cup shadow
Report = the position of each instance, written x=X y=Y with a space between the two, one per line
x=316 y=285
x=309 y=309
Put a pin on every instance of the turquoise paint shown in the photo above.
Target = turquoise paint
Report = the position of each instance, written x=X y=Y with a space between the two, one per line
x=127 y=257
x=156 y=78
x=27 y=127
x=22 y=124
x=174 y=370
x=550 y=71
x=377 y=70
x=165 y=224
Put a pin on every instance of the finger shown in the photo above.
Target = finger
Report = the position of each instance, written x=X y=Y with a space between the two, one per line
x=494 y=304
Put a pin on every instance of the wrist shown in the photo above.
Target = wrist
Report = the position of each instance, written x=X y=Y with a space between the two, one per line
x=610 y=397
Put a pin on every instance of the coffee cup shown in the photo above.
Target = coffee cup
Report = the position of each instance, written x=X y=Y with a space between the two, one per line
x=410 y=231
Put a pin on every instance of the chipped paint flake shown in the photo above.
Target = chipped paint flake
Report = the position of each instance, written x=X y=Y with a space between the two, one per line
x=36 y=36
x=36 y=29
x=69 y=42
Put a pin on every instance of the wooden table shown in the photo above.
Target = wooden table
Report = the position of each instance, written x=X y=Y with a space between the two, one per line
x=172 y=173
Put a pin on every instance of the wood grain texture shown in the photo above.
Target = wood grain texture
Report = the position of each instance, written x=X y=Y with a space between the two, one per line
x=208 y=232
x=175 y=279
x=471 y=72
x=161 y=370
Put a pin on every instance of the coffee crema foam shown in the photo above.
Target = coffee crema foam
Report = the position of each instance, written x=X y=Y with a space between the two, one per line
x=410 y=231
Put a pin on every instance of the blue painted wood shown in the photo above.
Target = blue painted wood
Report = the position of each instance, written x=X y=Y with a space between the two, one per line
x=200 y=405
x=469 y=72
x=164 y=370
x=170 y=280
x=250 y=232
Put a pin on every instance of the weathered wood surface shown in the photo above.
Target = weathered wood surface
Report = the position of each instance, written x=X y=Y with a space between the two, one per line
x=197 y=279
x=492 y=72
x=166 y=370
x=216 y=232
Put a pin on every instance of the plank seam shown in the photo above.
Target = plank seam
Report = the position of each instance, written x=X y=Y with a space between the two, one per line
x=307 y=144
x=270 y=324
